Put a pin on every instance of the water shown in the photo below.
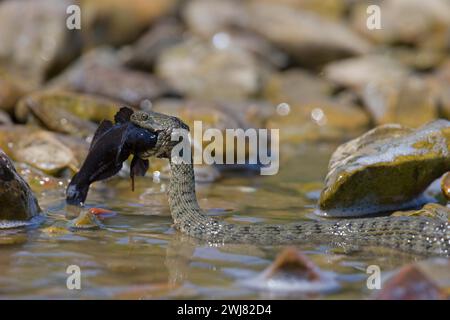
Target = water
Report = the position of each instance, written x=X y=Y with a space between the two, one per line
x=139 y=255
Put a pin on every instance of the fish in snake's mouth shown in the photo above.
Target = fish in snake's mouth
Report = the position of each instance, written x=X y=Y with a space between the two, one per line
x=112 y=145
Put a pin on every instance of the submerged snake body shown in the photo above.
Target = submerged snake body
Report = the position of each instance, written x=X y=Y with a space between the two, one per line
x=412 y=234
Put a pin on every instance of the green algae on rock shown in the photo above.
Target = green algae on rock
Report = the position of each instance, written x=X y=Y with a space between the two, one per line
x=17 y=202
x=385 y=169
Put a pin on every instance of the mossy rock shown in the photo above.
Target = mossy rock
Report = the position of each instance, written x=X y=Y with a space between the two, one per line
x=386 y=169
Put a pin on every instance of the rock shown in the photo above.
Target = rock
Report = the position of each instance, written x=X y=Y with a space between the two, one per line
x=293 y=272
x=101 y=73
x=224 y=24
x=17 y=201
x=208 y=17
x=200 y=70
x=445 y=184
x=144 y=53
x=37 y=179
x=66 y=112
x=40 y=41
x=356 y=73
x=43 y=151
x=410 y=283
x=308 y=37
x=57 y=229
x=5 y=118
x=10 y=92
x=430 y=210
x=332 y=9
x=85 y=221
x=39 y=148
x=412 y=22
x=116 y=22
x=318 y=120
x=396 y=102
x=296 y=86
x=385 y=169
x=389 y=93
x=421 y=59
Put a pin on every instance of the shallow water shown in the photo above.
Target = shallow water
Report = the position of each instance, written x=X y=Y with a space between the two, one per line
x=137 y=254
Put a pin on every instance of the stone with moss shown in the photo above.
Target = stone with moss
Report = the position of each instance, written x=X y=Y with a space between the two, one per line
x=386 y=169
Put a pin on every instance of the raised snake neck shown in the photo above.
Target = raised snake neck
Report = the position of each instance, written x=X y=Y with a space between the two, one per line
x=411 y=234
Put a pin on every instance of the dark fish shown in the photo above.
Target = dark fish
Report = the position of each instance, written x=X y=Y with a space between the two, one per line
x=111 y=146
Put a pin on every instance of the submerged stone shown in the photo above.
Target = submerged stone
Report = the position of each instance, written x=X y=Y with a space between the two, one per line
x=17 y=201
x=86 y=220
x=293 y=272
x=410 y=283
x=385 y=169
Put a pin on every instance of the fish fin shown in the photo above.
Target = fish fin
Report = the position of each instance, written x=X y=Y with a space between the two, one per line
x=138 y=167
x=104 y=126
x=123 y=115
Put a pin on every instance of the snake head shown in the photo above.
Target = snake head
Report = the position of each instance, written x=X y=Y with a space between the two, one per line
x=164 y=126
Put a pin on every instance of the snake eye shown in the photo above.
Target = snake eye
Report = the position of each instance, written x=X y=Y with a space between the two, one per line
x=144 y=116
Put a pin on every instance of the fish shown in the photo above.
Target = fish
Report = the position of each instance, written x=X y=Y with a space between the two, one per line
x=112 y=144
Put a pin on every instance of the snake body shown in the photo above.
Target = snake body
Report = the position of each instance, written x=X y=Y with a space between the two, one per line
x=420 y=235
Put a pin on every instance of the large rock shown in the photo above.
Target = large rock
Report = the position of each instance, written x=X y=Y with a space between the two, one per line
x=34 y=38
x=388 y=90
x=310 y=38
x=17 y=201
x=385 y=169
x=413 y=22
x=201 y=70
x=66 y=112
x=102 y=73
x=116 y=21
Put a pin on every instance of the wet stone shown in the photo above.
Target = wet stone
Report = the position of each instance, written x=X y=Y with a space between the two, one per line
x=293 y=272
x=430 y=210
x=85 y=221
x=17 y=201
x=410 y=283
x=385 y=169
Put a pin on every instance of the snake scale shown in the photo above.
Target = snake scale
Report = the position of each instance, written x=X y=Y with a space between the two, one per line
x=419 y=235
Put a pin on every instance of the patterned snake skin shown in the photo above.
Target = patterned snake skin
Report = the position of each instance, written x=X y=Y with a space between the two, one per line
x=419 y=235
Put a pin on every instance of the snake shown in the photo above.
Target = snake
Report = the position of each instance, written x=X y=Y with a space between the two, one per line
x=418 y=235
